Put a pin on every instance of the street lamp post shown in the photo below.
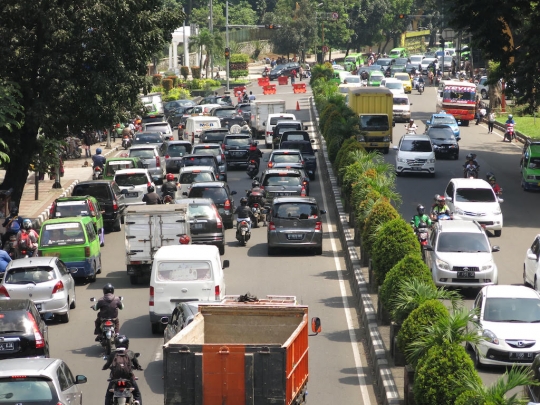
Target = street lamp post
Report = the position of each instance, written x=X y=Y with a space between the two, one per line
x=227 y=38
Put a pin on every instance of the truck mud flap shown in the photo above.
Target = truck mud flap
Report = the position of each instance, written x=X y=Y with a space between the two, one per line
x=184 y=376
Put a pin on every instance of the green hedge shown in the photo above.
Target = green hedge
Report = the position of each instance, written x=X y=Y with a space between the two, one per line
x=239 y=58
x=394 y=240
x=411 y=266
x=238 y=73
x=381 y=212
x=440 y=375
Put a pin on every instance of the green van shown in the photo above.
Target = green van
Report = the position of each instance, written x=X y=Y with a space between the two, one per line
x=114 y=164
x=352 y=61
x=530 y=168
x=75 y=241
x=398 y=53
x=375 y=78
x=336 y=77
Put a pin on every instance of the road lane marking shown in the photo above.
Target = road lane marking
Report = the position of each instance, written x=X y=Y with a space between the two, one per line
x=350 y=325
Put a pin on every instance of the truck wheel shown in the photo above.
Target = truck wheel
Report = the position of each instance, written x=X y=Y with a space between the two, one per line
x=271 y=251
x=134 y=280
x=117 y=226
x=156 y=328
x=465 y=123
x=386 y=150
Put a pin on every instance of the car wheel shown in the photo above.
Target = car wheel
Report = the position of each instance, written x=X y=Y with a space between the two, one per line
x=64 y=318
x=117 y=224
x=525 y=283
x=477 y=362
x=312 y=177
x=221 y=249
x=268 y=145
x=456 y=156
x=156 y=328
x=535 y=284
x=134 y=280
x=498 y=233
x=271 y=251
x=73 y=304
x=122 y=219
x=386 y=150
x=318 y=250
x=92 y=278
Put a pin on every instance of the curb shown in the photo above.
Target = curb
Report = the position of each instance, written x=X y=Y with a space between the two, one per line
x=385 y=385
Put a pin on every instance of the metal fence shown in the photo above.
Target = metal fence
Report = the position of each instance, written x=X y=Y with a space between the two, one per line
x=249 y=34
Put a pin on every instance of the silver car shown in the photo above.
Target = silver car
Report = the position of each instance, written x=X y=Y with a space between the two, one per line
x=39 y=381
x=152 y=158
x=295 y=222
x=44 y=280
x=134 y=184
x=282 y=183
x=213 y=149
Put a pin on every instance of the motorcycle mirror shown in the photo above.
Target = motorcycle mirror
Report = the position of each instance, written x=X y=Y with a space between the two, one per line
x=449 y=199
x=395 y=147
x=500 y=200
x=137 y=354
x=495 y=248
x=92 y=299
x=226 y=264
x=121 y=298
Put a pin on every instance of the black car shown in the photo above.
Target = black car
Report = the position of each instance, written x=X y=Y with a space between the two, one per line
x=23 y=333
x=178 y=116
x=284 y=126
x=444 y=142
x=147 y=138
x=244 y=109
x=223 y=100
x=308 y=153
x=175 y=105
x=220 y=194
x=152 y=118
x=174 y=151
x=205 y=223
x=202 y=160
x=227 y=116
x=284 y=70
x=215 y=150
x=110 y=199
x=236 y=149
x=213 y=135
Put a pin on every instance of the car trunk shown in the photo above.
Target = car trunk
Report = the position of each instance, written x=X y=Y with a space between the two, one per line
x=33 y=283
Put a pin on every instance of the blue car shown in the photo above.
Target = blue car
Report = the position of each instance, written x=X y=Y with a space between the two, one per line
x=444 y=119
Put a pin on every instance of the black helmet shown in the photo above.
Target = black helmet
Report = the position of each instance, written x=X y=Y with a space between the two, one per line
x=151 y=189
x=420 y=209
x=108 y=289
x=469 y=156
x=255 y=184
x=490 y=176
x=121 y=341
x=243 y=201
x=14 y=211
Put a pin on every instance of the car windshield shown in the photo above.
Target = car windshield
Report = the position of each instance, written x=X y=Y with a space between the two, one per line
x=224 y=113
x=27 y=390
x=403 y=78
x=157 y=127
x=142 y=153
x=534 y=163
x=393 y=85
x=383 y=62
x=178 y=149
x=96 y=190
x=216 y=194
x=475 y=195
x=29 y=275
x=188 y=178
x=113 y=166
x=416 y=59
x=200 y=160
x=441 y=133
x=512 y=310
x=463 y=242
x=409 y=145
x=285 y=158
x=184 y=271
x=287 y=179
x=216 y=151
x=401 y=101
x=237 y=141
x=376 y=76
x=304 y=147
x=374 y=122
x=352 y=79
x=63 y=234
x=141 y=139
x=448 y=120
x=295 y=210
x=275 y=120
x=201 y=211
x=71 y=209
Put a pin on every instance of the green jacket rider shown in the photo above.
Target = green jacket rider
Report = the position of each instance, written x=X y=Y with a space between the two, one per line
x=420 y=217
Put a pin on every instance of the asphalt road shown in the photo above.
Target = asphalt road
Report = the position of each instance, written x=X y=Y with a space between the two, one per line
x=521 y=222
x=338 y=367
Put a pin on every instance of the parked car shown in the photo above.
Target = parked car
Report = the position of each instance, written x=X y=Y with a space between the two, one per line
x=44 y=280
x=174 y=152
x=110 y=199
x=205 y=223
x=220 y=193
x=215 y=150
x=152 y=157
x=134 y=184
x=23 y=333
x=235 y=148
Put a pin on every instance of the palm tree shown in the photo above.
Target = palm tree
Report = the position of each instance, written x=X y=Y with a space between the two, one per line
x=211 y=42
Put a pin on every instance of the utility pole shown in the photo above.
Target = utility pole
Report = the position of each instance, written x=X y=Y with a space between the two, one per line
x=186 y=44
x=211 y=53
x=227 y=38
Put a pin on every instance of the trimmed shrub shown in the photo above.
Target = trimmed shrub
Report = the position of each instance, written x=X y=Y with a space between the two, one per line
x=184 y=71
x=167 y=85
x=381 y=212
x=363 y=207
x=333 y=148
x=418 y=320
x=440 y=375
x=332 y=126
x=342 y=158
x=156 y=80
x=393 y=241
x=238 y=65
x=411 y=266
x=235 y=74
x=174 y=80
x=196 y=72
x=177 y=93
x=321 y=71
x=468 y=398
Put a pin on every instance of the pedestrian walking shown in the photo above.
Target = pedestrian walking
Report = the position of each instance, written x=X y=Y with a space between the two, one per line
x=251 y=96
x=301 y=72
x=293 y=76
x=491 y=121
x=87 y=142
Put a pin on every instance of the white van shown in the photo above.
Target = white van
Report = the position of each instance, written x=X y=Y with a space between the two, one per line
x=402 y=108
x=271 y=122
x=195 y=126
x=184 y=273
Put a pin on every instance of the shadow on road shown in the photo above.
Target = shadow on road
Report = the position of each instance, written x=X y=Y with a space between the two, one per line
x=153 y=374
x=336 y=302
x=132 y=327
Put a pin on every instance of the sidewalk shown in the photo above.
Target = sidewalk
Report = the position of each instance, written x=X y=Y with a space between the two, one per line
x=74 y=172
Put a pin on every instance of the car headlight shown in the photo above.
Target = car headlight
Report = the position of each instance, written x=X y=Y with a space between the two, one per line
x=490 y=337
x=497 y=211
x=459 y=211
x=431 y=160
x=487 y=266
x=401 y=160
x=386 y=139
x=361 y=138
x=529 y=177
x=442 y=264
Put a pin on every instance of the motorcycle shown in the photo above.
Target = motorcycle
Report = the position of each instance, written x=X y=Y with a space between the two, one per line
x=410 y=130
x=471 y=171
x=306 y=74
x=441 y=217
x=252 y=168
x=11 y=247
x=422 y=235
x=265 y=72
x=243 y=234
x=509 y=133
x=123 y=392
x=126 y=142
x=97 y=173
x=107 y=332
x=420 y=88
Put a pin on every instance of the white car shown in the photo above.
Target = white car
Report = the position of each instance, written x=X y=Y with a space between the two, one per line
x=415 y=155
x=394 y=85
x=163 y=127
x=416 y=59
x=474 y=200
x=193 y=174
x=531 y=267
x=134 y=184
x=426 y=62
x=509 y=322
x=459 y=255
x=352 y=79
x=402 y=108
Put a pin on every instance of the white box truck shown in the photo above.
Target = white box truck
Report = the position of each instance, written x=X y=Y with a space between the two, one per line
x=260 y=111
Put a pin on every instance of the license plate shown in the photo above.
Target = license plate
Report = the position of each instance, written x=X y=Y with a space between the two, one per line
x=465 y=274
x=51 y=254
x=7 y=346
x=131 y=195
x=415 y=168
x=196 y=226
x=282 y=194
x=237 y=153
x=295 y=236
x=38 y=306
x=521 y=356
x=373 y=144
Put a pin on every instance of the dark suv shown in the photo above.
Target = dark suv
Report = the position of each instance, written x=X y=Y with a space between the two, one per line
x=110 y=199
x=205 y=223
x=223 y=100
x=174 y=152
x=227 y=116
x=308 y=153
x=236 y=149
x=203 y=160
x=22 y=331
x=284 y=70
x=244 y=109
x=444 y=142
x=220 y=194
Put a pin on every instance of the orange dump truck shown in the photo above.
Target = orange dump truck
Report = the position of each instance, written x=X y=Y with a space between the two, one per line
x=240 y=354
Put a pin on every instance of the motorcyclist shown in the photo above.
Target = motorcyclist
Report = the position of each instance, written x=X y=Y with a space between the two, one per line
x=420 y=217
x=27 y=239
x=151 y=197
x=471 y=160
x=12 y=224
x=254 y=153
x=493 y=182
x=510 y=120
x=243 y=212
x=98 y=159
x=169 y=188
x=5 y=258
x=108 y=307
x=244 y=127
x=122 y=346
x=411 y=126
x=440 y=208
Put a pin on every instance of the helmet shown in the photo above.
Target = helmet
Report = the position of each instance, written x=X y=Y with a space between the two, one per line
x=441 y=199
x=243 y=201
x=151 y=189
x=436 y=197
x=14 y=211
x=98 y=151
x=470 y=156
x=510 y=116
x=255 y=184
x=243 y=123
x=108 y=289
x=27 y=224
x=121 y=341
x=411 y=120
x=170 y=177
x=420 y=209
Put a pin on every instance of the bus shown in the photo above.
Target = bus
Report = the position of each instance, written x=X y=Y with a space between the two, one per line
x=457 y=98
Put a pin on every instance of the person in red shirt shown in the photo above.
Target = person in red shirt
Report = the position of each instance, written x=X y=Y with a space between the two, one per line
x=493 y=181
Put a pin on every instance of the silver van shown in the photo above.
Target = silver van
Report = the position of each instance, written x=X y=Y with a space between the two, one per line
x=152 y=158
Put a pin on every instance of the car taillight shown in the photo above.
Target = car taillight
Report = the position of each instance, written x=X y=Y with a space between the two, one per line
x=87 y=251
x=227 y=204
x=184 y=240
x=222 y=157
x=158 y=161
x=219 y=222
x=121 y=383
x=302 y=162
x=270 y=164
x=53 y=209
x=40 y=342
x=303 y=192
x=216 y=292
x=271 y=226
x=3 y=292
x=58 y=287
x=256 y=205
x=108 y=323
x=151 y=301
x=268 y=133
x=261 y=187
x=167 y=156
x=318 y=226
x=115 y=205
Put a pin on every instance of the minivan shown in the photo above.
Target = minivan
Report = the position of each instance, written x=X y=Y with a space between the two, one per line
x=415 y=154
x=196 y=125
x=402 y=108
x=271 y=121
x=114 y=164
x=398 y=53
x=184 y=273
x=530 y=168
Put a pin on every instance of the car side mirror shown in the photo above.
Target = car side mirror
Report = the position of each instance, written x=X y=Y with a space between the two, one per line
x=532 y=256
x=429 y=248
x=495 y=248
x=500 y=199
x=395 y=147
x=428 y=122
x=322 y=212
x=80 y=379
x=475 y=318
x=393 y=123
x=164 y=320
x=410 y=103
x=458 y=139
x=449 y=199
x=226 y=264
x=266 y=159
x=73 y=270
x=233 y=192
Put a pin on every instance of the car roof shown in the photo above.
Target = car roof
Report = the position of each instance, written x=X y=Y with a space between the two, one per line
x=194 y=155
x=123 y=159
x=279 y=170
x=535 y=149
x=154 y=123
x=145 y=146
x=75 y=198
x=14 y=305
x=287 y=151
x=460 y=226
x=419 y=137
x=241 y=135
x=288 y=122
x=310 y=200
x=510 y=291
x=181 y=142
x=440 y=126
x=185 y=252
x=90 y=182
x=215 y=184
x=206 y=146
x=27 y=367
x=66 y=220
x=441 y=114
x=131 y=171
x=33 y=261
x=471 y=183
x=199 y=168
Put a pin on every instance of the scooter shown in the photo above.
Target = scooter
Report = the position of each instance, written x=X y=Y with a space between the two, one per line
x=420 y=88
x=252 y=168
x=509 y=133
x=422 y=235
x=123 y=392
x=126 y=142
x=97 y=173
x=265 y=72
x=107 y=332
x=243 y=233
x=471 y=171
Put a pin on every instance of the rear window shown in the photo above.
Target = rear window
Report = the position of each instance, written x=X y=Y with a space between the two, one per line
x=14 y=321
x=286 y=158
x=296 y=210
x=141 y=139
x=199 y=161
x=26 y=390
x=178 y=149
x=216 y=194
x=295 y=137
x=133 y=179
x=157 y=127
x=152 y=118
x=285 y=128
x=244 y=107
x=142 y=153
x=214 y=151
x=237 y=141
x=274 y=179
x=475 y=195
x=415 y=146
x=64 y=234
x=304 y=147
x=224 y=113
x=188 y=178
x=275 y=120
x=184 y=271
x=71 y=209
x=201 y=211
x=113 y=166
x=97 y=190
x=213 y=137
x=29 y=275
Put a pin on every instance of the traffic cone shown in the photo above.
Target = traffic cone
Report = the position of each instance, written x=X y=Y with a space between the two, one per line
x=297 y=106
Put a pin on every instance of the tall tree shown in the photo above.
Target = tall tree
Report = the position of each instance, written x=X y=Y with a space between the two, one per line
x=297 y=32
